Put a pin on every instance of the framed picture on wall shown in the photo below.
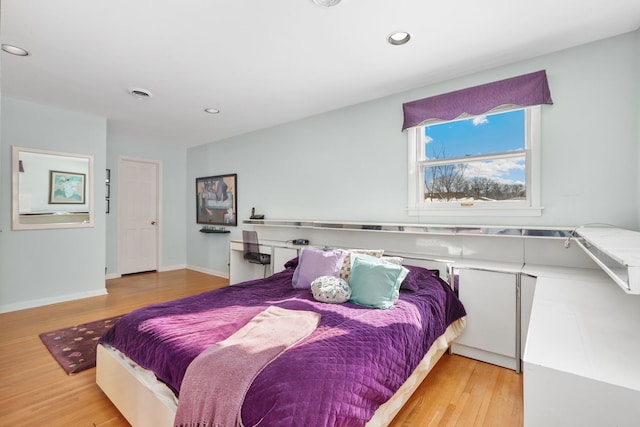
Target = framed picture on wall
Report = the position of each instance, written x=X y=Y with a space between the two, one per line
x=217 y=200
x=66 y=187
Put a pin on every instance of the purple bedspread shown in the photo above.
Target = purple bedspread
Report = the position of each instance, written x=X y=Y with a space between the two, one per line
x=338 y=376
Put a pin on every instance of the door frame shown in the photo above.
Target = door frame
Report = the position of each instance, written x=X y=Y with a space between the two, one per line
x=158 y=251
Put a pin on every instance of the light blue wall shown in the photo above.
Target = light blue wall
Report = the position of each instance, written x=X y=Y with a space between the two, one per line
x=174 y=199
x=351 y=164
x=637 y=56
x=348 y=164
x=43 y=266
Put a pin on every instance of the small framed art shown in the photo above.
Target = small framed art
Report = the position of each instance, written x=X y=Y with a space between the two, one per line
x=66 y=187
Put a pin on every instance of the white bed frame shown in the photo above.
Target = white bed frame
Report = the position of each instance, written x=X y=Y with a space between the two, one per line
x=146 y=402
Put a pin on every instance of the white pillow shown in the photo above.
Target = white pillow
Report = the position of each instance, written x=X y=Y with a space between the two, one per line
x=330 y=289
x=393 y=259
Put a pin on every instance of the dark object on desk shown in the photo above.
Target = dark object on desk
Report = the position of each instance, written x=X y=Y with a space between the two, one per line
x=300 y=242
x=214 y=230
x=252 y=250
x=254 y=216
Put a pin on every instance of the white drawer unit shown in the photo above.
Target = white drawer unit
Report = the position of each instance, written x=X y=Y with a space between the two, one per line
x=492 y=302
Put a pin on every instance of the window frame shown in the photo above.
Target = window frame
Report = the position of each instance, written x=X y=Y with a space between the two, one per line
x=529 y=207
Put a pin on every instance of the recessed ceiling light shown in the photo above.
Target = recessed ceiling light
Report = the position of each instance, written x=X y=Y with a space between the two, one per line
x=326 y=3
x=140 y=93
x=398 y=38
x=14 y=50
x=212 y=110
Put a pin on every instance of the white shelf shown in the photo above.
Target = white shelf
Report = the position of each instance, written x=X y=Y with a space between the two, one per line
x=616 y=251
x=441 y=229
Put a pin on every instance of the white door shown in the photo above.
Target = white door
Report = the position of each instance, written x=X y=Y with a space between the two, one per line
x=137 y=216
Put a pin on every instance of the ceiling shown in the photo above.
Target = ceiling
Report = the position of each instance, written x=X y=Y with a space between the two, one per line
x=263 y=63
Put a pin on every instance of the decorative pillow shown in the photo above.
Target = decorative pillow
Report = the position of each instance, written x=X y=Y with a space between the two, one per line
x=375 y=284
x=366 y=257
x=330 y=289
x=346 y=266
x=393 y=259
x=378 y=260
x=313 y=263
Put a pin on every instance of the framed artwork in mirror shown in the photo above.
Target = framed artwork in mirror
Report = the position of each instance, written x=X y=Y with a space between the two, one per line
x=66 y=187
x=217 y=200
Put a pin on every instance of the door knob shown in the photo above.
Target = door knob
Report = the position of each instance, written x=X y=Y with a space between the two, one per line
x=153 y=223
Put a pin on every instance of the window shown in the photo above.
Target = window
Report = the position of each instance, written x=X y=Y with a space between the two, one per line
x=480 y=165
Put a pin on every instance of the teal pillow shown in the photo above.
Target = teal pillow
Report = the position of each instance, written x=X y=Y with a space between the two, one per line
x=375 y=284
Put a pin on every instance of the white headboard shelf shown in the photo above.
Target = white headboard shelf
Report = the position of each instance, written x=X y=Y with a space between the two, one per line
x=616 y=251
x=442 y=229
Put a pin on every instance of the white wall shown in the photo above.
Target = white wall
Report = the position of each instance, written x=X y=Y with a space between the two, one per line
x=39 y=267
x=350 y=164
x=46 y=266
x=174 y=199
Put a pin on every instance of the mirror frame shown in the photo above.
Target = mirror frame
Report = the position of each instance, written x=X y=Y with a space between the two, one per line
x=54 y=219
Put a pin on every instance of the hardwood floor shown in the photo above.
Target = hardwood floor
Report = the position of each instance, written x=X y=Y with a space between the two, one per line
x=34 y=390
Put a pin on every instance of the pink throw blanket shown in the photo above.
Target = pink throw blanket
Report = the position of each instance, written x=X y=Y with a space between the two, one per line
x=215 y=383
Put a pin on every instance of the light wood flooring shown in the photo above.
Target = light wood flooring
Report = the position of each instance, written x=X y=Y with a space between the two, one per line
x=34 y=390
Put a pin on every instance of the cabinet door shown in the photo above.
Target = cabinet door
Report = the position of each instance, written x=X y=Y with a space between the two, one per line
x=281 y=256
x=490 y=301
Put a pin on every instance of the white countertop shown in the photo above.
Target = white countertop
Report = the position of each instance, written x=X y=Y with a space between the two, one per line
x=273 y=243
x=584 y=324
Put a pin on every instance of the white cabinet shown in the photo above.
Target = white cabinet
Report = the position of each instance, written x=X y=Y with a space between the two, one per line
x=280 y=256
x=493 y=326
x=581 y=359
x=242 y=271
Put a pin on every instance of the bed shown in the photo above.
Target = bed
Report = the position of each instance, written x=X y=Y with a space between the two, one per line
x=356 y=368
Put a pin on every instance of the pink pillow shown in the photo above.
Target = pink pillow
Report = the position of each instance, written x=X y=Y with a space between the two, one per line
x=313 y=263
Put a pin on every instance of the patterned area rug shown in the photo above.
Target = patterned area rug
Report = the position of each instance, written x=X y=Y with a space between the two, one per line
x=75 y=347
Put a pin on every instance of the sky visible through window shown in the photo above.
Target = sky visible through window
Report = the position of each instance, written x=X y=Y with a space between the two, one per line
x=496 y=133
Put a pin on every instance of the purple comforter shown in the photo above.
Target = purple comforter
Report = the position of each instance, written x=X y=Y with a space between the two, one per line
x=338 y=376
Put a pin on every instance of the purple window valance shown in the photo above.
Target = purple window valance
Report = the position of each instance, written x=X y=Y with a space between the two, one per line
x=523 y=91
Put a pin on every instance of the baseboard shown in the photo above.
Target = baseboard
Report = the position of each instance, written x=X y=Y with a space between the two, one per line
x=178 y=267
x=161 y=269
x=173 y=267
x=485 y=356
x=224 y=274
x=52 y=300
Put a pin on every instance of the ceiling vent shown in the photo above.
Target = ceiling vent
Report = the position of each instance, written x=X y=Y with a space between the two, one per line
x=140 y=93
x=326 y=3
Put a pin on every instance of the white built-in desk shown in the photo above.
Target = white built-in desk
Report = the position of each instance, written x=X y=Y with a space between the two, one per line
x=582 y=357
x=241 y=270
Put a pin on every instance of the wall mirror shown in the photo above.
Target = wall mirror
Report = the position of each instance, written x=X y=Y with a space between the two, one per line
x=51 y=189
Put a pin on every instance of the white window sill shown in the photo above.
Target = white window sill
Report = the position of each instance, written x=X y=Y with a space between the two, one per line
x=475 y=211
